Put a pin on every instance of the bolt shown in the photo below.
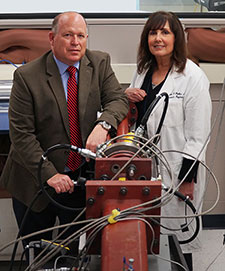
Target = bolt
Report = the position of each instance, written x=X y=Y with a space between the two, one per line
x=133 y=110
x=104 y=177
x=91 y=201
x=101 y=190
x=123 y=191
x=146 y=191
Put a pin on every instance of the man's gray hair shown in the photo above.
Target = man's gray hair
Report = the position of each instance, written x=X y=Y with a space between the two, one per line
x=55 y=21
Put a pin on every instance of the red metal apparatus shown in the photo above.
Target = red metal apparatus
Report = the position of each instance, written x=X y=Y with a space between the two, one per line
x=131 y=238
x=122 y=180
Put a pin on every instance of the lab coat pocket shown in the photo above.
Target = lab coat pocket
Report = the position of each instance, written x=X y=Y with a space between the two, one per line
x=175 y=168
x=174 y=115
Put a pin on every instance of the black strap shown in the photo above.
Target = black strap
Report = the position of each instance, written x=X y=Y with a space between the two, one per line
x=186 y=165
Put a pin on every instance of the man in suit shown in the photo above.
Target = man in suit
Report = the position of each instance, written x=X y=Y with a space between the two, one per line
x=39 y=119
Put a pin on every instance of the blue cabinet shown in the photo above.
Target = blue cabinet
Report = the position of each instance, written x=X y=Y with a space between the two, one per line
x=5 y=90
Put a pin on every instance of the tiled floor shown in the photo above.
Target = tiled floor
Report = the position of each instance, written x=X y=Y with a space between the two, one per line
x=212 y=255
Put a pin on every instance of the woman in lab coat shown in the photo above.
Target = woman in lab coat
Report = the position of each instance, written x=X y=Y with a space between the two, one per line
x=163 y=67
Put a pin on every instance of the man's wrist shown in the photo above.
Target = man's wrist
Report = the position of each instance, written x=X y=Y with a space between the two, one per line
x=105 y=125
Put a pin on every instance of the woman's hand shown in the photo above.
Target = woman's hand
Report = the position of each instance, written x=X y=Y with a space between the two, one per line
x=135 y=95
x=187 y=189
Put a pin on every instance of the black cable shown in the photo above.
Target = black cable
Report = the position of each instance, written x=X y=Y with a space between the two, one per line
x=85 y=153
x=21 y=258
x=189 y=203
x=83 y=253
x=149 y=110
x=43 y=158
x=21 y=229
x=43 y=189
x=55 y=249
x=163 y=113
x=141 y=128
x=60 y=257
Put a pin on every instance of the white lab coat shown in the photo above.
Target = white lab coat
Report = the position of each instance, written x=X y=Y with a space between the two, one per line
x=185 y=128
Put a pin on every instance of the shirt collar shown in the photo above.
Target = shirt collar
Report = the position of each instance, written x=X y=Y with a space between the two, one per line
x=63 y=67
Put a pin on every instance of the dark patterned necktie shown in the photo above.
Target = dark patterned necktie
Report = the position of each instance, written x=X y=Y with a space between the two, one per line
x=74 y=159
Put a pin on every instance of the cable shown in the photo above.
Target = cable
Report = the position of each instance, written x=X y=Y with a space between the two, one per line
x=217 y=138
x=212 y=175
x=43 y=231
x=179 y=195
x=144 y=145
x=141 y=128
x=189 y=203
x=8 y=61
x=21 y=229
x=55 y=239
x=211 y=163
x=207 y=140
x=43 y=189
x=130 y=139
x=21 y=258
x=201 y=152
x=196 y=215
x=84 y=152
x=152 y=241
x=148 y=203
x=90 y=240
x=134 y=207
x=67 y=241
x=60 y=257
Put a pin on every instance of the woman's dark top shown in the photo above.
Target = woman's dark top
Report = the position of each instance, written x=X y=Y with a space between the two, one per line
x=151 y=91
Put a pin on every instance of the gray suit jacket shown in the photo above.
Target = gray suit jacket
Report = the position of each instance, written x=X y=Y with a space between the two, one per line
x=39 y=119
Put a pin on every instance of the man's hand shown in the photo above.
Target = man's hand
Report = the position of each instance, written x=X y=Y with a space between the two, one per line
x=135 y=95
x=96 y=137
x=187 y=189
x=61 y=183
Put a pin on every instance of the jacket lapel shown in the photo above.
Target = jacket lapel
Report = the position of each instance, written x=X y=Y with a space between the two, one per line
x=56 y=87
x=85 y=77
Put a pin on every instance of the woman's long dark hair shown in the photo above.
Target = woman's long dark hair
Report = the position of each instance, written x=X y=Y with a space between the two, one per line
x=157 y=20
